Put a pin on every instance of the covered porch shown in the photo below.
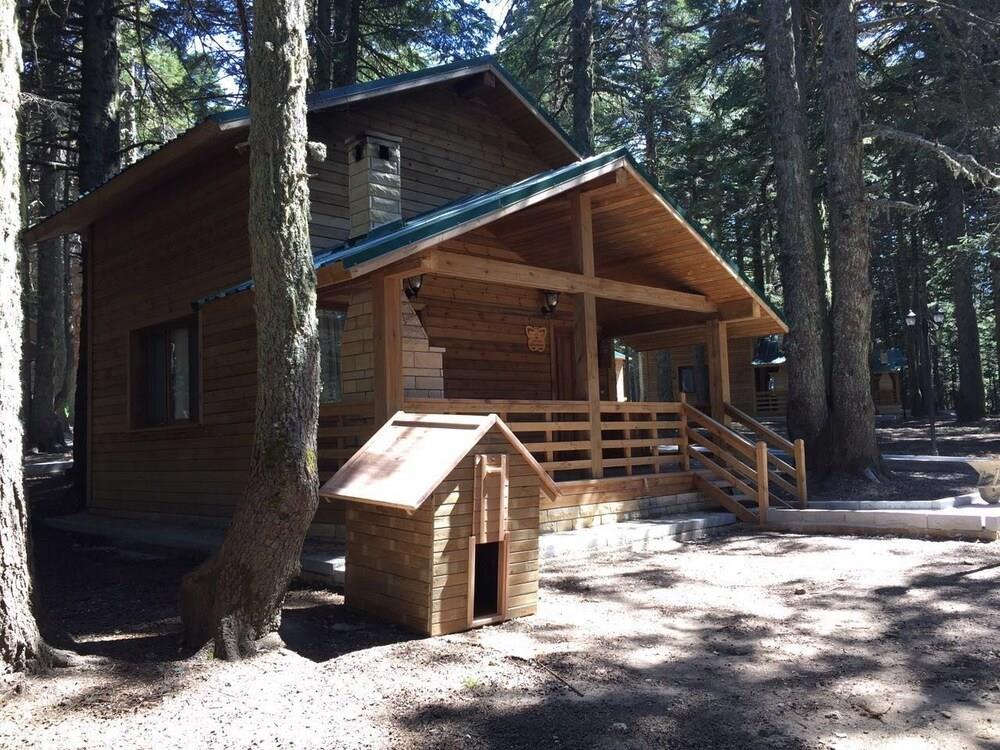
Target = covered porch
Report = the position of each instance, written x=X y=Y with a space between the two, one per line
x=511 y=303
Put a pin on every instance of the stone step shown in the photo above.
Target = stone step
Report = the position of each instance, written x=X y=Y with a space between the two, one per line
x=974 y=521
x=634 y=535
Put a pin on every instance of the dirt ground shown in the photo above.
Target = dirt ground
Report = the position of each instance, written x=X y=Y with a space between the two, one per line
x=953 y=438
x=740 y=641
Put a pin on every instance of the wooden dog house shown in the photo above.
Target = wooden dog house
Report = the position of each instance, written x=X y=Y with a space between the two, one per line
x=442 y=522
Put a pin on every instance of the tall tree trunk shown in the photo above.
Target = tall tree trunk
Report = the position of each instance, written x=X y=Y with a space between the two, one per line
x=236 y=596
x=804 y=307
x=324 y=44
x=908 y=282
x=64 y=396
x=98 y=142
x=995 y=285
x=854 y=448
x=44 y=425
x=582 y=19
x=346 y=42
x=20 y=642
x=970 y=401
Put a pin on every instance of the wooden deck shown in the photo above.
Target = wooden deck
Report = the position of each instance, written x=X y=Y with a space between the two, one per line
x=637 y=450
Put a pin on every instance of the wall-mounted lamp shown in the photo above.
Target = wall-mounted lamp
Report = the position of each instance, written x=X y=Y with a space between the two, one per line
x=412 y=286
x=550 y=300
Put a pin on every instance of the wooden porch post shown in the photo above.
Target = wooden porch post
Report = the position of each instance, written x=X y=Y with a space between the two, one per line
x=588 y=384
x=387 y=325
x=717 y=348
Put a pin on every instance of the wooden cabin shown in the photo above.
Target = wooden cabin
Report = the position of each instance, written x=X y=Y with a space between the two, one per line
x=468 y=261
x=442 y=523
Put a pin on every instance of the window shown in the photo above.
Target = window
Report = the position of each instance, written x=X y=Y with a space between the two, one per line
x=164 y=384
x=686 y=380
x=331 y=328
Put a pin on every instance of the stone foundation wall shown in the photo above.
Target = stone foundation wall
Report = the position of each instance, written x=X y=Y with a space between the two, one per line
x=596 y=514
x=423 y=373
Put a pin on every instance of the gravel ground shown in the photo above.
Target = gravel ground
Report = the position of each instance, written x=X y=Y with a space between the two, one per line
x=742 y=641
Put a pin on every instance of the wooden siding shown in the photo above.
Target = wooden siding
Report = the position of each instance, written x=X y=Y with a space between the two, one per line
x=187 y=238
x=451 y=147
x=184 y=240
x=453 y=526
x=741 y=377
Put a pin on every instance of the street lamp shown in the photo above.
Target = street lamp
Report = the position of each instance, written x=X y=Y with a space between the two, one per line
x=935 y=321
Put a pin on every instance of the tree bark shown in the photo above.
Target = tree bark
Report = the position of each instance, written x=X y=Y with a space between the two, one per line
x=346 y=42
x=582 y=19
x=853 y=448
x=98 y=143
x=798 y=260
x=995 y=285
x=235 y=597
x=324 y=45
x=970 y=401
x=20 y=642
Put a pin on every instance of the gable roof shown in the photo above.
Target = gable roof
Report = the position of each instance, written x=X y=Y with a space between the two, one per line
x=404 y=462
x=227 y=128
x=398 y=239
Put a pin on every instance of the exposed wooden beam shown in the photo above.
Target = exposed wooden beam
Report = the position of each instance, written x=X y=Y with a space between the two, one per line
x=652 y=323
x=631 y=325
x=588 y=383
x=717 y=349
x=533 y=277
x=476 y=85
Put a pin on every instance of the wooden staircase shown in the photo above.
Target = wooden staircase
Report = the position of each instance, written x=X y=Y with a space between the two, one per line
x=744 y=477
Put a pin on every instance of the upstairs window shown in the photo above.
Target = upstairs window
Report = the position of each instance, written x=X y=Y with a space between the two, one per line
x=164 y=374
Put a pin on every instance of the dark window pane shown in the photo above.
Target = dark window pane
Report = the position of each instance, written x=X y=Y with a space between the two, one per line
x=180 y=374
x=155 y=378
x=331 y=327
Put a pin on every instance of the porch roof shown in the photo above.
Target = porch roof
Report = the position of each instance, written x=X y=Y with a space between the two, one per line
x=686 y=258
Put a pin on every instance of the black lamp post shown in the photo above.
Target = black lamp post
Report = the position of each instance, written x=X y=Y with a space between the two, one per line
x=926 y=326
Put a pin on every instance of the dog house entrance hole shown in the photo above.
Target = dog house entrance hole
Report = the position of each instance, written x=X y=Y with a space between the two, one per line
x=486 y=588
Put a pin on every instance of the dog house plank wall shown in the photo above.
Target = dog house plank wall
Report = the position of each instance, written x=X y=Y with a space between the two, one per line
x=433 y=497
x=453 y=527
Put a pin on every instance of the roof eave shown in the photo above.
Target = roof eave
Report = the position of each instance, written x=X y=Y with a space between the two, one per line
x=81 y=213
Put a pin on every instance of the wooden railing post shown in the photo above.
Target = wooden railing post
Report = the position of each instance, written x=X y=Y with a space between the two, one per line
x=763 y=495
x=685 y=456
x=799 y=454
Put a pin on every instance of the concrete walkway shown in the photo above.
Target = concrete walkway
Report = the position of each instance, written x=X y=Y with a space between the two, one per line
x=962 y=517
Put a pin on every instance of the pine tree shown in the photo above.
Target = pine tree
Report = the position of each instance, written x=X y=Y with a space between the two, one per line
x=235 y=597
x=20 y=642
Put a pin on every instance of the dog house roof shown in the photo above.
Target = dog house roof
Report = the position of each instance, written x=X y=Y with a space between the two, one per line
x=411 y=454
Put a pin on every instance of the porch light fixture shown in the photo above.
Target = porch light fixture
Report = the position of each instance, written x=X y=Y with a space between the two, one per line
x=412 y=286
x=911 y=319
x=550 y=300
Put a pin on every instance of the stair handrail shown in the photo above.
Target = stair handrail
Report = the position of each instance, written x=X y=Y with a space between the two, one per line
x=796 y=450
x=755 y=486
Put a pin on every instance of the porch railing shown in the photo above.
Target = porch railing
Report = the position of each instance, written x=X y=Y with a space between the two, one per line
x=789 y=476
x=772 y=403
x=633 y=438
